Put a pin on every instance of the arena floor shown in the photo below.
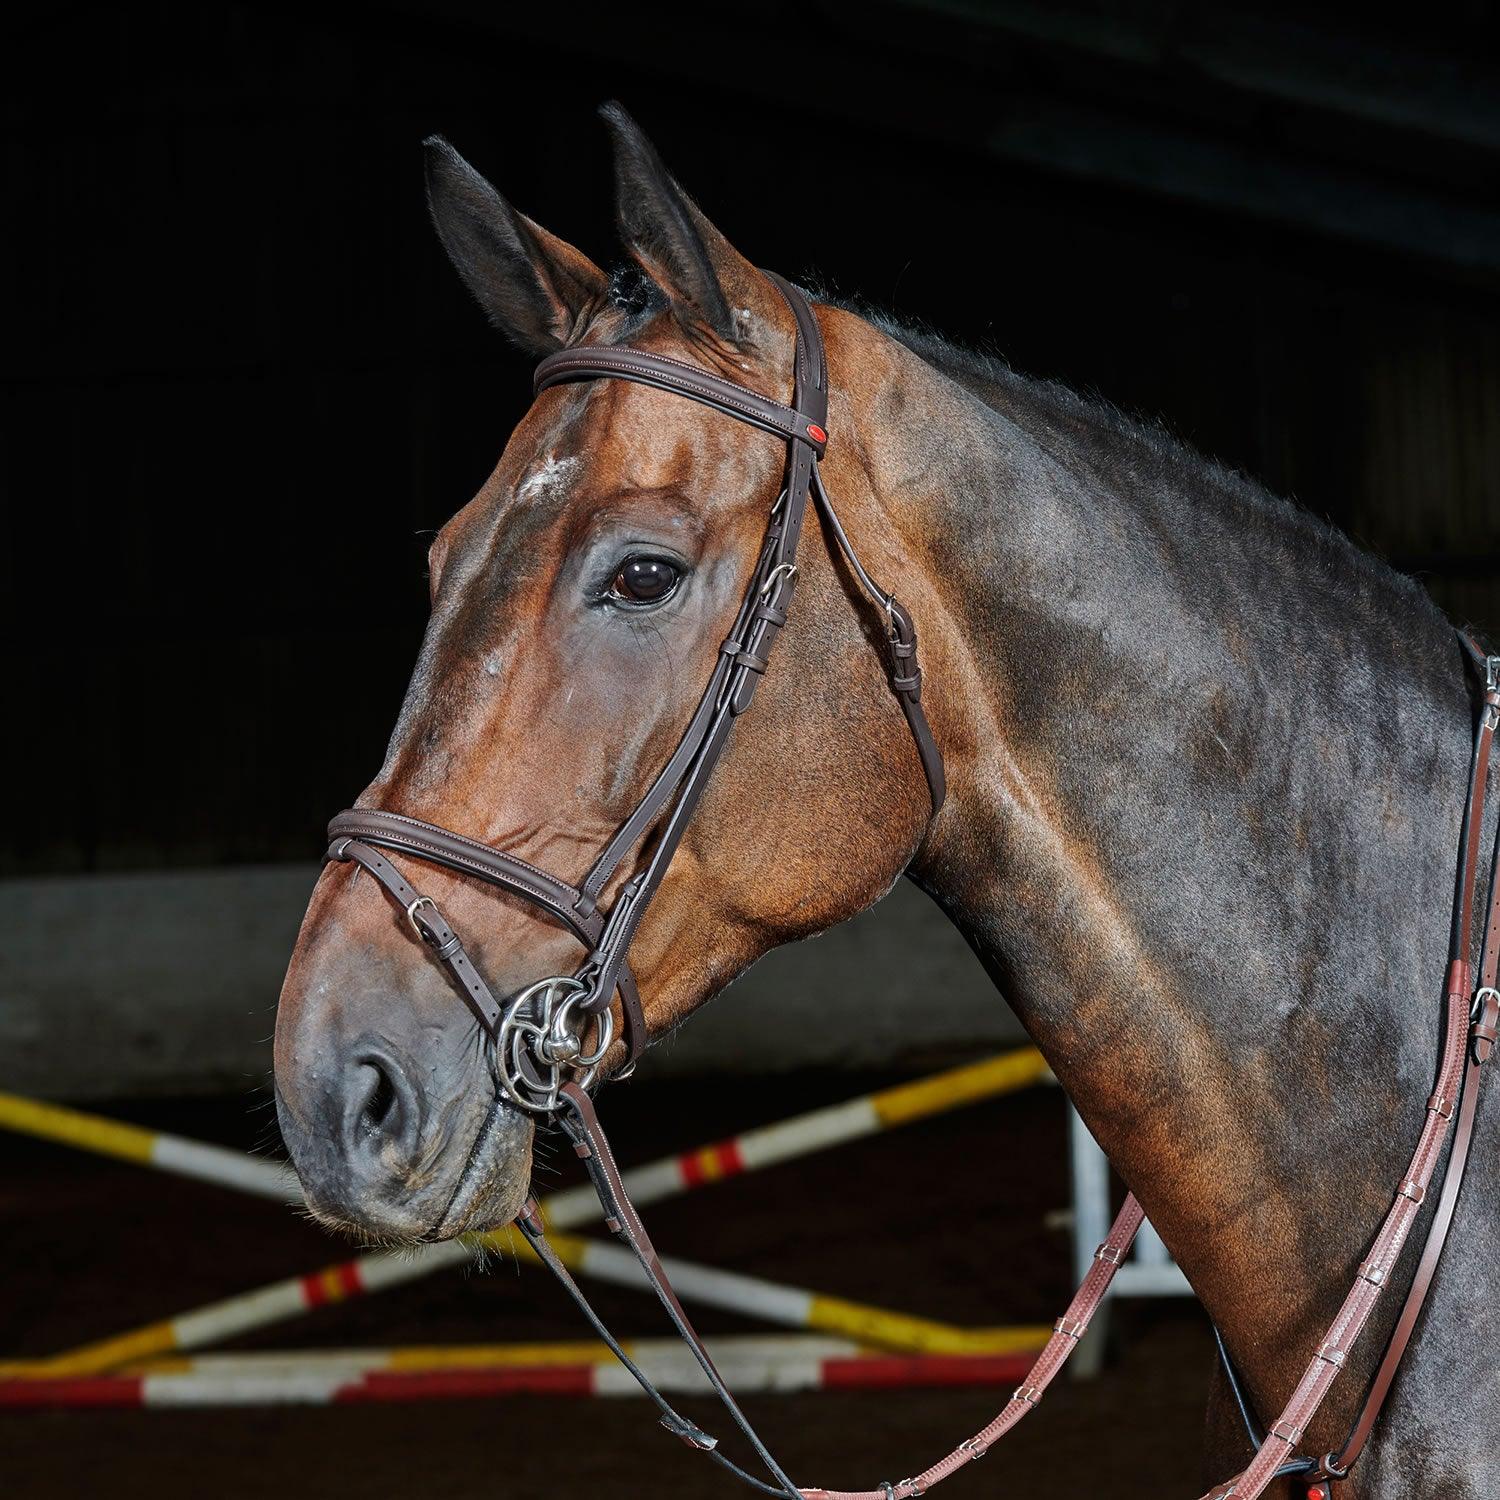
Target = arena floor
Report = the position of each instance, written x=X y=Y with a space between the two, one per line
x=944 y=1218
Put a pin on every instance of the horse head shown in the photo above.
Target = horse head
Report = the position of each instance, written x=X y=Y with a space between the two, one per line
x=579 y=604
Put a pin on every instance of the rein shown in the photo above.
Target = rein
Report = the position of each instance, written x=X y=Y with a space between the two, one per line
x=548 y=1043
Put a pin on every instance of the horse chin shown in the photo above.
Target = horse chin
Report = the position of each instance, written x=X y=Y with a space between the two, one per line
x=496 y=1179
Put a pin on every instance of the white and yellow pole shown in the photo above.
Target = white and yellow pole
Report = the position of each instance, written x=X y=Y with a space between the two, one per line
x=787 y=1306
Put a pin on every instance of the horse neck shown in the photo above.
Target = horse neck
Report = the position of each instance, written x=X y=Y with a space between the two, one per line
x=1206 y=766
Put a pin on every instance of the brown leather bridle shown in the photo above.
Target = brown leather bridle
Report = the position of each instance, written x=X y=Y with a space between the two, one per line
x=537 y=1037
x=543 y=1063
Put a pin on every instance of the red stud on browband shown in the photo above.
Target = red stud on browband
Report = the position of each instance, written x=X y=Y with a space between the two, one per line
x=816 y=433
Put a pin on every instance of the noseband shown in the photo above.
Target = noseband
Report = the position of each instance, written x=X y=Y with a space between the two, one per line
x=537 y=1037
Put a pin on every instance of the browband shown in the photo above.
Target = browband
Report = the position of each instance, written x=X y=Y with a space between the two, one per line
x=683 y=379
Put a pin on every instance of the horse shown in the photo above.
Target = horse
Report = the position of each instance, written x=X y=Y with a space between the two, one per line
x=1205 y=765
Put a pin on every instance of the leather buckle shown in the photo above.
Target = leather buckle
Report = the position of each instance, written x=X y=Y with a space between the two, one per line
x=411 y=916
x=1331 y=1466
x=1484 y=1022
x=773 y=579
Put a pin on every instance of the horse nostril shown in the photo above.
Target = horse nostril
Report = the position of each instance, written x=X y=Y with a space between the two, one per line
x=363 y=1144
x=380 y=1100
x=382 y=1108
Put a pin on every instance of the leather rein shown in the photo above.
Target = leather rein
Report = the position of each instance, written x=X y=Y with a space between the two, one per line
x=548 y=1043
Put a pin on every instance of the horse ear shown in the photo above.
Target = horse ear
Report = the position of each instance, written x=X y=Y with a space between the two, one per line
x=538 y=290
x=672 y=240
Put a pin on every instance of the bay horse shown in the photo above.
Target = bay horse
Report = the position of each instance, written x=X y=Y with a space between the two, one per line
x=1205 y=767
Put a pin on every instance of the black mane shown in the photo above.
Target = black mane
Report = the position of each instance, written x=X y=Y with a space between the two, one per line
x=1117 y=443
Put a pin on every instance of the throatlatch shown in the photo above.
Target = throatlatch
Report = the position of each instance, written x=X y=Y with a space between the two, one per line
x=544 y=1055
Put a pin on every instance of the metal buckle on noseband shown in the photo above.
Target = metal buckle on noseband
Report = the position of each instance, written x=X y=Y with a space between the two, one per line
x=539 y=1044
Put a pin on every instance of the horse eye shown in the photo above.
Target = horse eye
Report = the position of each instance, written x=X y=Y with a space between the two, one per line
x=645 y=580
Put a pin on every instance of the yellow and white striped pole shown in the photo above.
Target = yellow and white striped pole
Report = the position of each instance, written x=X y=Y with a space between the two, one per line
x=787 y=1139
x=149 y=1148
x=217 y=1321
x=793 y=1307
x=815 y=1131
x=751 y=1296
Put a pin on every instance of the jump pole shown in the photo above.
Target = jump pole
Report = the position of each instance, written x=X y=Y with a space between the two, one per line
x=529 y=1353
x=773 y=1302
x=787 y=1139
x=149 y=1148
x=281 y=1382
x=797 y=1307
x=793 y=1306
x=817 y=1130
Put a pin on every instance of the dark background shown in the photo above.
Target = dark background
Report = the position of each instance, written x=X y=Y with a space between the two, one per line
x=242 y=384
x=242 y=387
